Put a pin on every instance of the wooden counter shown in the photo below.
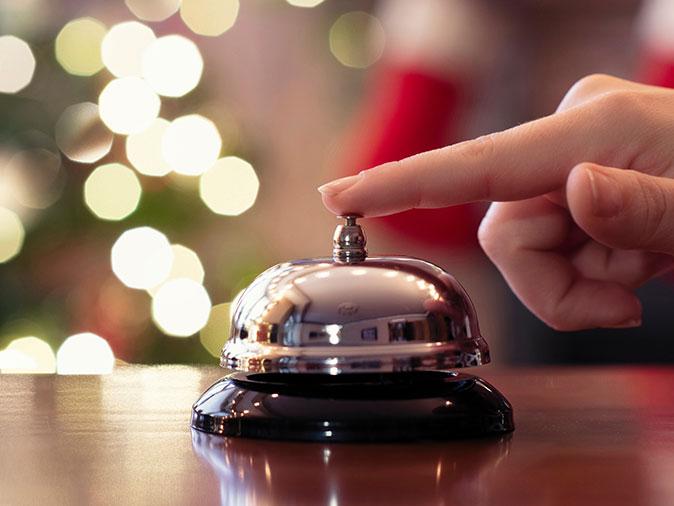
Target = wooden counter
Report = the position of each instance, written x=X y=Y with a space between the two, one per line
x=583 y=436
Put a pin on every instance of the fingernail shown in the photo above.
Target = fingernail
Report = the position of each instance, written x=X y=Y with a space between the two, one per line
x=632 y=322
x=607 y=199
x=339 y=185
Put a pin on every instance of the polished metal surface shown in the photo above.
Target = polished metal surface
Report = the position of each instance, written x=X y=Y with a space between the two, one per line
x=348 y=242
x=377 y=314
x=417 y=406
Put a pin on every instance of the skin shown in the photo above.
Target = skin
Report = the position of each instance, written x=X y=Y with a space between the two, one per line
x=583 y=199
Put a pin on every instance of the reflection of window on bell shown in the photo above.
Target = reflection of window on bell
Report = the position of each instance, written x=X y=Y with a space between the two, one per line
x=397 y=330
x=369 y=334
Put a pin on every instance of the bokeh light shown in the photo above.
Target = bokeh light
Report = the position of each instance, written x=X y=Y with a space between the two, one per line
x=142 y=258
x=19 y=17
x=230 y=186
x=17 y=64
x=78 y=46
x=172 y=65
x=123 y=46
x=357 y=39
x=13 y=362
x=112 y=191
x=38 y=351
x=191 y=144
x=85 y=353
x=186 y=264
x=181 y=307
x=81 y=135
x=143 y=149
x=35 y=177
x=216 y=331
x=209 y=17
x=11 y=234
x=153 y=10
x=128 y=105
x=304 y=3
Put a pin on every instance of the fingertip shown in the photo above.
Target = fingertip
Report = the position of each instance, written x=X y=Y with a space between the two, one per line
x=335 y=195
x=339 y=185
x=382 y=190
x=334 y=204
x=327 y=202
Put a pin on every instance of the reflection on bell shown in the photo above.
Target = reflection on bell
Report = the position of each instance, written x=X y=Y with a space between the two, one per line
x=353 y=348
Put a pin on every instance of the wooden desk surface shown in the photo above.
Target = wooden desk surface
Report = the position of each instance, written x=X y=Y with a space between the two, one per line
x=584 y=436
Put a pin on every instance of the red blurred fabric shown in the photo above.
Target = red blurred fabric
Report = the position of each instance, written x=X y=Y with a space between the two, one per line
x=407 y=111
x=656 y=69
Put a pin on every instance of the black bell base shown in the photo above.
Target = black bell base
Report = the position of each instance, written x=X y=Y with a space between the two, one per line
x=407 y=406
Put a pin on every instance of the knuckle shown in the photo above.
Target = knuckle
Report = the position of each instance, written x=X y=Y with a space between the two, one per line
x=480 y=147
x=585 y=88
x=482 y=150
x=591 y=84
x=617 y=104
x=583 y=166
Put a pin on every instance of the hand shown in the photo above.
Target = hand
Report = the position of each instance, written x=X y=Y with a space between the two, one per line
x=583 y=208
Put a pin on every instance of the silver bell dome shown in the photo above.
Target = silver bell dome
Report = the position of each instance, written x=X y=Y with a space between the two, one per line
x=354 y=314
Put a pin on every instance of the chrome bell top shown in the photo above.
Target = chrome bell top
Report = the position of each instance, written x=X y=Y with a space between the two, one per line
x=353 y=314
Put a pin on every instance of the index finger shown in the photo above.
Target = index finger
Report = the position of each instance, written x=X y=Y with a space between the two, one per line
x=522 y=162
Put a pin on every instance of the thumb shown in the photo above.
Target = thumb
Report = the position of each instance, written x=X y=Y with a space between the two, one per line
x=623 y=209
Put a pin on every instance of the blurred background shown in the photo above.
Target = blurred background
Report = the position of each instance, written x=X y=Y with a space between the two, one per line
x=156 y=155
